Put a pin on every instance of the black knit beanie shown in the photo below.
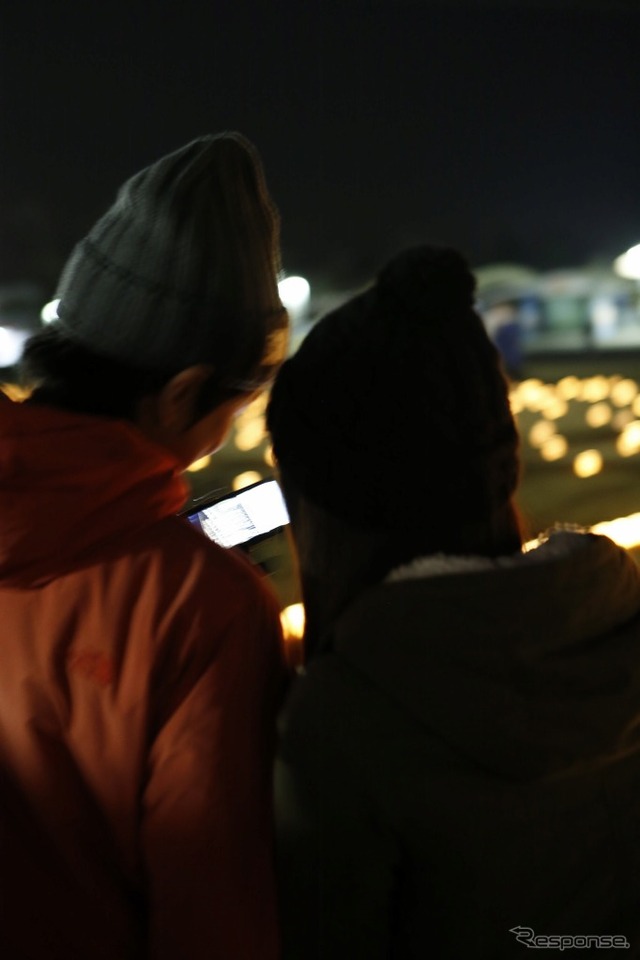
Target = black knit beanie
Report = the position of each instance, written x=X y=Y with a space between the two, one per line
x=394 y=411
x=183 y=267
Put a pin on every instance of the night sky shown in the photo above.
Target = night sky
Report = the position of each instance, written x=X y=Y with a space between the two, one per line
x=509 y=129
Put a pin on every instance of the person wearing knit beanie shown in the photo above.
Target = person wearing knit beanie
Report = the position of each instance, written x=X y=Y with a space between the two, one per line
x=465 y=699
x=401 y=391
x=183 y=267
x=180 y=274
x=142 y=664
x=391 y=419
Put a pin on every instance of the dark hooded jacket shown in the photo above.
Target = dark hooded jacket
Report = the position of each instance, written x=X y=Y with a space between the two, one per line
x=459 y=766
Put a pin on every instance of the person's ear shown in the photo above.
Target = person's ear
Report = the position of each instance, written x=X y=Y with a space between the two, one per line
x=177 y=402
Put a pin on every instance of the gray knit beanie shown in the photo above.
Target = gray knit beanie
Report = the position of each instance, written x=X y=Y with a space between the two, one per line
x=183 y=268
x=394 y=412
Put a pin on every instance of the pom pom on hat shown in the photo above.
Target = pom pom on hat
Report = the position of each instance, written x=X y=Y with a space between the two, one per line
x=183 y=268
x=427 y=283
x=395 y=404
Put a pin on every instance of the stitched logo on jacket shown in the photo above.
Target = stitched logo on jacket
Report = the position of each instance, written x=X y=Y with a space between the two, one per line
x=92 y=664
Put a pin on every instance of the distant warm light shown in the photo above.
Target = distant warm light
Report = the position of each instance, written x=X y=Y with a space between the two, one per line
x=538 y=398
x=269 y=457
x=540 y=432
x=292 y=619
x=14 y=391
x=554 y=448
x=598 y=415
x=588 y=463
x=515 y=402
x=11 y=344
x=621 y=419
x=294 y=293
x=628 y=443
x=556 y=408
x=49 y=312
x=624 y=392
x=569 y=387
x=628 y=264
x=245 y=479
x=614 y=401
x=199 y=464
x=625 y=531
x=249 y=435
x=530 y=393
x=594 y=388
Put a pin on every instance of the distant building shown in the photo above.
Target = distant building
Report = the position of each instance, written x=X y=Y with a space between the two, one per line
x=581 y=308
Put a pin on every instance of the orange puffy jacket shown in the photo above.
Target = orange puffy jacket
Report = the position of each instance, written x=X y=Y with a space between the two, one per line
x=140 y=674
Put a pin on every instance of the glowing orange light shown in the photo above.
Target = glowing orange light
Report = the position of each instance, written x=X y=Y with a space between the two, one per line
x=292 y=619
x=594 y=389
x=569 y=387
x=249 y=435
x=554 y=448
x=624 y=392
x=245 y=479
x=555 y=408
x=628 y=443
x=598 y=415
x=540 y=432
x=588 y=463
x=199 y=464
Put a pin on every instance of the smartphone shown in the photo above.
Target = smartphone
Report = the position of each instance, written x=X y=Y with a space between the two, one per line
x=243 y=517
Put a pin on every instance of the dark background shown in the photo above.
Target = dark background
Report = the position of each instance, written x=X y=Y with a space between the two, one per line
x=509 y=129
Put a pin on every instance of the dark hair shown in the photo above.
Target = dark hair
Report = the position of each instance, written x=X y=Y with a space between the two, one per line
x=338 y=559
x=62 y=373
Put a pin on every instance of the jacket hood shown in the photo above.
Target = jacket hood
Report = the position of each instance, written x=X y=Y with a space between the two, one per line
x=528 y=665
x=70 y=484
